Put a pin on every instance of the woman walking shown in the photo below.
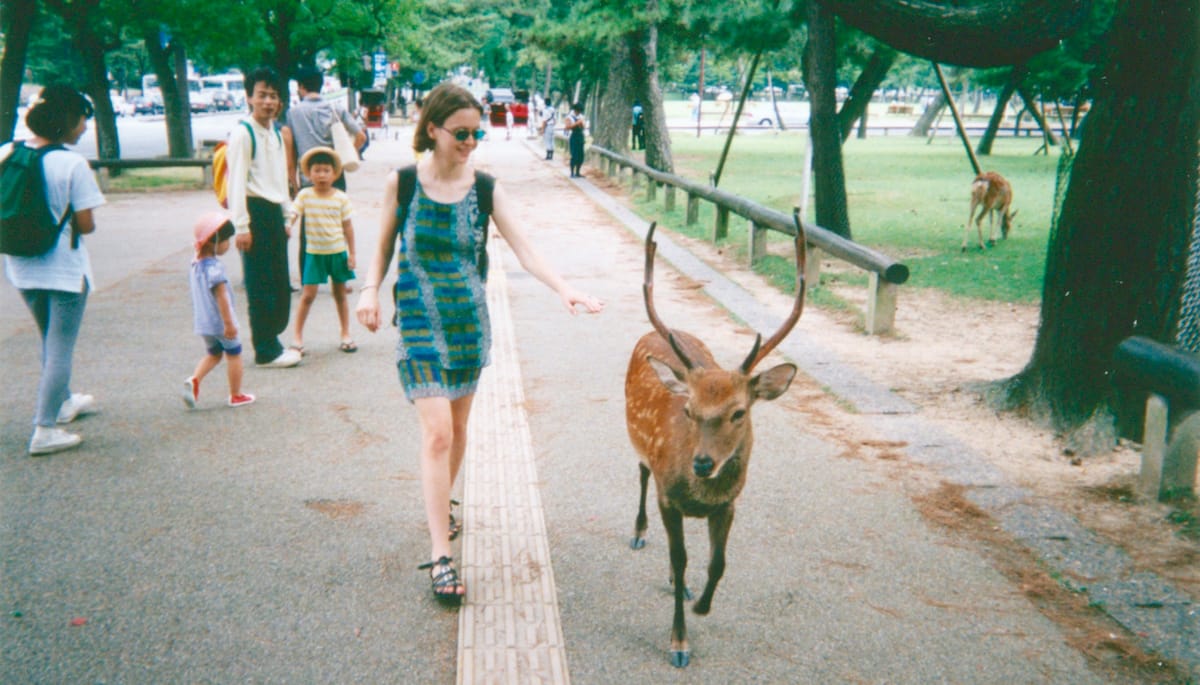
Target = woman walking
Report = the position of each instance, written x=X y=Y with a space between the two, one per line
x=55 y=285
x=439 y=210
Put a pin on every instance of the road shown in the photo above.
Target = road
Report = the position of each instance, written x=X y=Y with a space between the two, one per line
x=144 y=137
x=278 y=543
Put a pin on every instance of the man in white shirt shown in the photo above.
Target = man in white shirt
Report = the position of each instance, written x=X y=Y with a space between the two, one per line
x=259 y=202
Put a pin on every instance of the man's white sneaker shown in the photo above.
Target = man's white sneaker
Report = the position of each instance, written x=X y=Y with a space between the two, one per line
x=76 y=405
x=286 y=359
x=47 y=440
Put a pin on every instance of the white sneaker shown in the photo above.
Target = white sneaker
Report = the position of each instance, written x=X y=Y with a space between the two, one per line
x=76 y=405
x=286 y=359
x=48 y=440
x=191 y=391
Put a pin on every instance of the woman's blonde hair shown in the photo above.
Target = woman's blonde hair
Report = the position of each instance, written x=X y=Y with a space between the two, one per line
x=442 y=102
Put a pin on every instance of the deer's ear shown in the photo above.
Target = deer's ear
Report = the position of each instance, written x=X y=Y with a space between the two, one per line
x=672 y=379
x=773 y=382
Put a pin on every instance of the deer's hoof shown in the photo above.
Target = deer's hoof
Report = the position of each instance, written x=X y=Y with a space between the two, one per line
x=991 y=243
x=637 y=543
x=680 y=658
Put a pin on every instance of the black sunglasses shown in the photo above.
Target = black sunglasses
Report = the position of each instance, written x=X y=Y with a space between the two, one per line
x=461 y=134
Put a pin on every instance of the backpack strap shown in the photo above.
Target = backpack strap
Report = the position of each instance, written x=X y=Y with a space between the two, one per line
x=405 y=189
x=253 y=138
x=484 y=185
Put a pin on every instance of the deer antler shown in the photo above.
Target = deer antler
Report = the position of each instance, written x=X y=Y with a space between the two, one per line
x=759 y=351
x=648 y=296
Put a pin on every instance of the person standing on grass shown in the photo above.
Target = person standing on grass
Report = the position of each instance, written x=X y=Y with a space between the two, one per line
x=441 y=308
x=324 y=215
x=213 y=310
x=55 y=285
x=259 y=202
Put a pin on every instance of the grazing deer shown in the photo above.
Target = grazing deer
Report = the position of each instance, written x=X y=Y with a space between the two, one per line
x=689 y=421
x=991 y=194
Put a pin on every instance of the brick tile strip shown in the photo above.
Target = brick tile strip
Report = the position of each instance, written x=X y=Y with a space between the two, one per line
x=509 y=628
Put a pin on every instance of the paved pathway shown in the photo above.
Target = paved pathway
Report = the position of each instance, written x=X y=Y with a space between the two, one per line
x=277 y=543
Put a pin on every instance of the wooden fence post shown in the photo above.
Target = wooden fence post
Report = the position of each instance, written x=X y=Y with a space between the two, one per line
x=693 y=209
x=669 y=199
x=881 y=305
x=812 y=267
x=758 y=242
x=721 y=225
x=651 y=189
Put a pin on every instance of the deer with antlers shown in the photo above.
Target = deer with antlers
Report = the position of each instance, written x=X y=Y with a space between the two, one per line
x=991 y=194
x=689 y=421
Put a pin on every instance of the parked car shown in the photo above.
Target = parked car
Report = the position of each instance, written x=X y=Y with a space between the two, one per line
x=147 y=104
x=501 y=100
x=198 y=104
x=223 y=101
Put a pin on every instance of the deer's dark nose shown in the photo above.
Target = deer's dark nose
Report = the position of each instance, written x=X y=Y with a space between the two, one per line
x=702 y=466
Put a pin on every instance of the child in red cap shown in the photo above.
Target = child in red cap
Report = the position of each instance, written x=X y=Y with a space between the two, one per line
x=212 y=306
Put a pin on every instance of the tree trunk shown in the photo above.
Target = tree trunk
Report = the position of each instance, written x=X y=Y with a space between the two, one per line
x=644 y=53
x=177 y=117
x=864 y=87
x=1032 y=108
x=108 y=144
x=611 y=128
x=16 y=22
x=820 y=76
x=1010 y=86
x=930 y=115
x=775 y=102
x=1117 y=257
x=974 y=33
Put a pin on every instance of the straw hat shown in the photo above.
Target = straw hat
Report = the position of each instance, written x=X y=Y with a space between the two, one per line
x=210 y=223
x=306 y=160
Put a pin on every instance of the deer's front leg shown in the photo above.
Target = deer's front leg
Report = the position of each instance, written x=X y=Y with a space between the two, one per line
x=719 y=523
x=639 y=526
x=673 y=522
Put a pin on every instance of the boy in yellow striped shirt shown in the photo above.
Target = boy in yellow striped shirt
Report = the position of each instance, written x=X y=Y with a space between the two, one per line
x=329 y=254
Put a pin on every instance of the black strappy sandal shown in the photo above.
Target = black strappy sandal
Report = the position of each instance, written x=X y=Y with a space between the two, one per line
x=455 y=526
x=445 y=581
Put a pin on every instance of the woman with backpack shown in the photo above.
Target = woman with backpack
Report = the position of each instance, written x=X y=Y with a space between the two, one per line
x=439 y=212
x=55 y=285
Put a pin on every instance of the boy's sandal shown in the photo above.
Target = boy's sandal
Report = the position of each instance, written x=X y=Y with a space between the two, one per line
x=348 y=346
x=455 y=526
x=446 y=584
x=298 y=348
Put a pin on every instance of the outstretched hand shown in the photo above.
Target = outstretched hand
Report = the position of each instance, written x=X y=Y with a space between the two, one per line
x=573 y=298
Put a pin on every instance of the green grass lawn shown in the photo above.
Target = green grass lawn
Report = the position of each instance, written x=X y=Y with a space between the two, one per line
x=147 y=180
x=908 y=198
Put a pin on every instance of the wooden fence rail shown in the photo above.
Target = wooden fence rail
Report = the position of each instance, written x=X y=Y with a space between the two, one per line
x=884 y=273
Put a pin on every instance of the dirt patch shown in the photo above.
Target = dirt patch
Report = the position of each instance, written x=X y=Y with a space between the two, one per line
x=1105 y=643
x=337 y=508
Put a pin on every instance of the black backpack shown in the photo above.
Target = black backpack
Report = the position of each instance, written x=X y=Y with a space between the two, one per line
x=27 y=226
x=484 y=183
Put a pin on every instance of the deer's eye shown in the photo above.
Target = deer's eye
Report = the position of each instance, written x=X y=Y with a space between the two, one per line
x=687 y=411
x=738 y=416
